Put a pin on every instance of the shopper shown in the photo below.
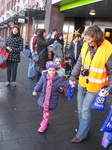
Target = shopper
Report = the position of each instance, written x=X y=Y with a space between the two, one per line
x=54 y=31
x=95 y=68
x=58 y=46
x=42 y=44
x=33 y=49
x=74 y=50
x=49 y=84
x=14 y=45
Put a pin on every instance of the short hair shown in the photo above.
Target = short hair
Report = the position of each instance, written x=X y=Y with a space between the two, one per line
x=96 y=33
x=54 y=30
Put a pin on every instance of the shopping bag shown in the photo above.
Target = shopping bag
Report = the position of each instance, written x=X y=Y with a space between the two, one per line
x=35 y=56
x=4 y=66
x=70 y=92
x=99 y=101
x=107 y=126
x=106 y=139
x=27 y=53
x=3 y=56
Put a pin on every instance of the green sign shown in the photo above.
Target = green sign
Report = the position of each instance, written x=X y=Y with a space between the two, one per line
x=77 y=3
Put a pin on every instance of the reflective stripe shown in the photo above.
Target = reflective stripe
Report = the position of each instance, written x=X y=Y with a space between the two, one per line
x=98 y=70
x=97 y=80
x=95 y=69
x=85 y=66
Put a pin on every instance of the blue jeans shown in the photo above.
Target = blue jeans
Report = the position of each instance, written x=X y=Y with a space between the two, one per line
x=31 y=68
x=84 y=101
x=11 y=71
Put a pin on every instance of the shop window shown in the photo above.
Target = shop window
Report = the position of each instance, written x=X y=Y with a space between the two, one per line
x=108 y=34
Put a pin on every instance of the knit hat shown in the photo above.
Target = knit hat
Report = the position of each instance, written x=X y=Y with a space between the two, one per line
x=59 y=34
x=52 y=64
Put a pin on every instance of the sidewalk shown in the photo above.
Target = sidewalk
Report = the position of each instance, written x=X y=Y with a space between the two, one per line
x=20 y=119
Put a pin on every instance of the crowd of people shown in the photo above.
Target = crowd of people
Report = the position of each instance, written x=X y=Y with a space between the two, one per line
x=93 y=73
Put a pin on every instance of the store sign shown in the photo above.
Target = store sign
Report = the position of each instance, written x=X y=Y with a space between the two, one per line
x=21 y=20
x=5 y=25
x=22 y=14
x=11 y=23
x=76 y=3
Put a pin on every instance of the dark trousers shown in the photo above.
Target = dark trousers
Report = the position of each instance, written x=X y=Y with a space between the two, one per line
x=38 y=73
x=73 y=62
x=11 y=71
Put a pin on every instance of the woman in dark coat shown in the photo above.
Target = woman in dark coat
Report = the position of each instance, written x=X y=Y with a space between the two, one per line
x=42 y=43
x=14 y=45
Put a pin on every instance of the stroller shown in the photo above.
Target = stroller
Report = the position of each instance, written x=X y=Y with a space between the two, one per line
x=68 y=67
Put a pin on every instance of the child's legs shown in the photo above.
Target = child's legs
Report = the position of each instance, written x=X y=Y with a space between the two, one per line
x=46 y=115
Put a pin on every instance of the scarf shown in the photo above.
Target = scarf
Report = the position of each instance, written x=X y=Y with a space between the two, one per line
x=48 y=92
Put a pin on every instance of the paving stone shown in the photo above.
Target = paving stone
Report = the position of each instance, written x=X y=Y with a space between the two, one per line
x=9 y=145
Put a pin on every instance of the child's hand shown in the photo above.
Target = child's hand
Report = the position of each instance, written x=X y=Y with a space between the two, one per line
x=72 y=82
x=34 y=93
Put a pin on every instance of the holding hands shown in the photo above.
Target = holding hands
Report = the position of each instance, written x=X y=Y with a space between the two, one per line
x=72 y=82
x=34 y=93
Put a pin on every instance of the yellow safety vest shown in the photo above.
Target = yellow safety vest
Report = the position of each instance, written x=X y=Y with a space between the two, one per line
x=97 y=77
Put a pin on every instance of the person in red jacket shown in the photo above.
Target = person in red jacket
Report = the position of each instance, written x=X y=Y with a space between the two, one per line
x=33 y=48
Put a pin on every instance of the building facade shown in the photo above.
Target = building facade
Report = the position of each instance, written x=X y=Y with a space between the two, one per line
x=70 y=17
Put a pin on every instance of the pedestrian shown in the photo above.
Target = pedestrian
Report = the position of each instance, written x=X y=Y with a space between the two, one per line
x=58 y=46
x=42 y=44
x=74 y=50
x=81 y=40
x=33 y=49
x=54 y=31
x=95 y=69
x=14 y=45
x=49 y=84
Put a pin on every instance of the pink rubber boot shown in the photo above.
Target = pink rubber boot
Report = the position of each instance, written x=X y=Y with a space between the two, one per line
x=44 y=123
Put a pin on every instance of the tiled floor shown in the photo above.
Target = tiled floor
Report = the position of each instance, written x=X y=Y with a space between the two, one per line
x=20 y=118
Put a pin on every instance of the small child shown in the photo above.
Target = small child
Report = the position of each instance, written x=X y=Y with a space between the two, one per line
x=60 y=71
x=49 y=84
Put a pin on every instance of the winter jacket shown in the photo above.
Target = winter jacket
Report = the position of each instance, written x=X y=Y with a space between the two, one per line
x=57 y=49
x=41 y=86
x=71 y=50
x=33 y=43
x=16 y=44
x=43 y=58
